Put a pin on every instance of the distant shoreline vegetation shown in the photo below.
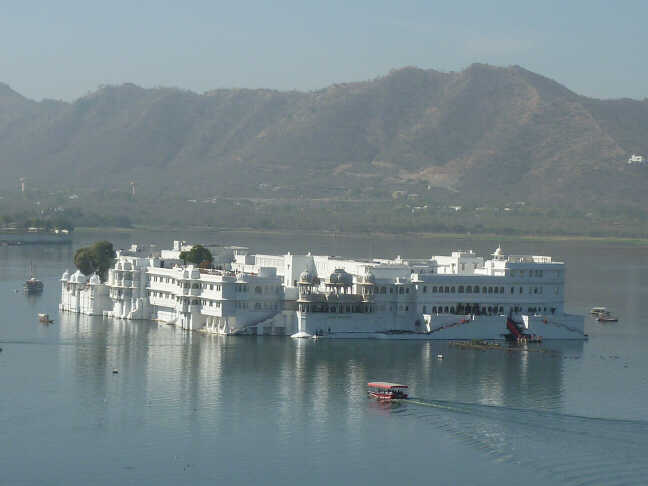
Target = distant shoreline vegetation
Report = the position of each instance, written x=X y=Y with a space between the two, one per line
x=476 y=236
x=425 y=215
x=384 y=217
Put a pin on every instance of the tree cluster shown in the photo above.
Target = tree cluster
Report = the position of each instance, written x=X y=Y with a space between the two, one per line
x=97 y=258
x=198 y=255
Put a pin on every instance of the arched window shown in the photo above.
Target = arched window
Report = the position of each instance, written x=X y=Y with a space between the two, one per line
x=257 y=306
x=452 y=310
x=461 y=289
x=501 y=308
x=434 y=310
x=484 y=290
x=496 y=290
x=424 y=288
x=490 y=290
x=476 y=289
x=501 y=290
x=468 y=289
x=447 y=289
x=383 y=290
x=445 y=309
x=424 y=309
x=452 y=290
x=434 y=290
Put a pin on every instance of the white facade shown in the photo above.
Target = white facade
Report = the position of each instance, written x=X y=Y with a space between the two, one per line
x=460 y=296
x=83 y=295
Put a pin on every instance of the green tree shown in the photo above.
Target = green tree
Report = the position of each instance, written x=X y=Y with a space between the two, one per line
x=104 y=255
x=198 y=255
x=84 y=261
x=95 y=258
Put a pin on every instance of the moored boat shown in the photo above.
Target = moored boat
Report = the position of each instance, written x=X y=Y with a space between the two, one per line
x=383 y=390
x=602 y=314
x=598 y=311
x=32 y=284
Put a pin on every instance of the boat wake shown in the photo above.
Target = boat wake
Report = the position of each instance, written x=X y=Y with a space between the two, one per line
x=569 y=449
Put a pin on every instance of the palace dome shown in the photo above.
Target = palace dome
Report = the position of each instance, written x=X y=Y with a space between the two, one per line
x=306 y=277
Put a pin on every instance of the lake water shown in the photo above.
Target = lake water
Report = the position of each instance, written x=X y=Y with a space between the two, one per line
x=192 y=409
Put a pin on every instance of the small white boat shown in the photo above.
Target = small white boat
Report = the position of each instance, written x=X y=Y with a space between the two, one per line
x=598 y=311
x=43 y=317
x=439 y=356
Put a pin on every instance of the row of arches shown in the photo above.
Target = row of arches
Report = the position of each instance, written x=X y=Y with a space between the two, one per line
x=463 y=309
x=465 y=289
x=359 y=307
x=479 y=309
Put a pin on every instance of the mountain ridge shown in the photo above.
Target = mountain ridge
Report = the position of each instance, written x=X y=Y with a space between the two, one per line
x=483 y=133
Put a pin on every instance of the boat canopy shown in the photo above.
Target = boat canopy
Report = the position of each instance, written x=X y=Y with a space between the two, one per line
x=385 y=385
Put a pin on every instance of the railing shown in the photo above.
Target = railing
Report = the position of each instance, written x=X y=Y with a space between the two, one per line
x=529 y=259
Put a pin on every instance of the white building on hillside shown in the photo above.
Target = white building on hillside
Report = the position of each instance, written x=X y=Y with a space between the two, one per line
x=637 y=159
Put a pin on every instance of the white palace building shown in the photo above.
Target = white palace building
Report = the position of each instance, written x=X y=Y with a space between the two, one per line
x=460 y=296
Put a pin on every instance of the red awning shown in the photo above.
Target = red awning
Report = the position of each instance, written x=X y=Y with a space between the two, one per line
x=385 y=385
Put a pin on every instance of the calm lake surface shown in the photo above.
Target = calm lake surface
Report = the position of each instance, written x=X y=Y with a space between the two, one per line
x=192 y=409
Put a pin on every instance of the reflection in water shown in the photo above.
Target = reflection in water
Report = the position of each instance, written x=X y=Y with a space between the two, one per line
x=185 y=366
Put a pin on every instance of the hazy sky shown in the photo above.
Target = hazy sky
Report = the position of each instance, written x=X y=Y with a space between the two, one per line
x=64 y=49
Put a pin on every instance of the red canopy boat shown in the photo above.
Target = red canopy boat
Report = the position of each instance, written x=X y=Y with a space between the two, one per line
x=383 y=390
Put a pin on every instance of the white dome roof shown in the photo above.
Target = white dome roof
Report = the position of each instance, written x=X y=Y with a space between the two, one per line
x=66 y=275
x=94 y=279
x=306 y=277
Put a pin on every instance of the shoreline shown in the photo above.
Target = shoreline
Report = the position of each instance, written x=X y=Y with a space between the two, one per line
x=631 y=241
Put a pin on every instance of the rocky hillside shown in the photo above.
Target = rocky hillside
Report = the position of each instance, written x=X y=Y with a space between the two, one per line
x=486 y=133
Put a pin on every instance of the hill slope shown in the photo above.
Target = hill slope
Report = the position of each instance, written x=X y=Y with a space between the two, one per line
x=486 y=133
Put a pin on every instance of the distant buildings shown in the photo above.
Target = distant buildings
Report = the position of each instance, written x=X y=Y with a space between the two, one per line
x=637 y=159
